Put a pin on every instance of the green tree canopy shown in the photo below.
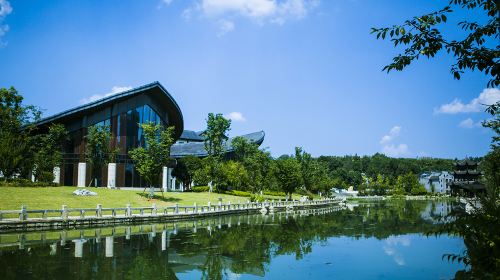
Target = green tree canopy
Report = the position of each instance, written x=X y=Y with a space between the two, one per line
x=215 y=142
x=98 y=151
x=150 y=159
x=288 y=174
x=423 y=36
x=15 y=128
x=48 y=152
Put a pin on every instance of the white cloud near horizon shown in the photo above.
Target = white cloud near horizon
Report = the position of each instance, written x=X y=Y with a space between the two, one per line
x=393 y=150
x=393 y=133
x=225 y=12
x=487 y=97
x=114 y=90
x=235 y=116
x=390 y=149
x=5 y=10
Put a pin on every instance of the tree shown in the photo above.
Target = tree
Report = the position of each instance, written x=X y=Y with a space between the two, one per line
x=49 y=152
x=234 y=176
x=98 y=152
x=215 y=142
x=256 y=162
x=186 y=168
x=216 y=134
x=423 y=36
x=399 y=187
x=150 y=159
x=306 y=167
x=15 y=133
x=288 y=174
x=380 y=185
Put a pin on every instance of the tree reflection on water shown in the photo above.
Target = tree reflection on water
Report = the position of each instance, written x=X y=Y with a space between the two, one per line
x=217 y=248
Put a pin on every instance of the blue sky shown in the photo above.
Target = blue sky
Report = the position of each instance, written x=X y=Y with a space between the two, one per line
x=308 y=73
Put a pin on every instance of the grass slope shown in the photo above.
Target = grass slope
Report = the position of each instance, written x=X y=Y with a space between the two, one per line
x=11 y=198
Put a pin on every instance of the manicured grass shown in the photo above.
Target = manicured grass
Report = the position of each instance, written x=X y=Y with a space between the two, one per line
x=11 y=198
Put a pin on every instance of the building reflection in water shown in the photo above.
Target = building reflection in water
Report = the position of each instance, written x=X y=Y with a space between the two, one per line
x=235 y=244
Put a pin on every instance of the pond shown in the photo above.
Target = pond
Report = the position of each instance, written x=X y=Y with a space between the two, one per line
x=384 y=240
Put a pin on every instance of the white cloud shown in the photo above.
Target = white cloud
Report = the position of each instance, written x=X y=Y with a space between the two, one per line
x=5 y=10
x=235 y=116
x=391 y=248
x=224 y=27
x=393 y=133
x=258 y=11
x=469 y=123
x=114 y=90
x=392 y=150
x=187 y=14
x=167 y=2
x=487 y=97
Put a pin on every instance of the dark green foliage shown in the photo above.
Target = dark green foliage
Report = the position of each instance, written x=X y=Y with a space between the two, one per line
x=98 y=152
x=150 y=159
x=16 y=143
x=423 y=36
x=201 y=189
x=348 y=170
x=257 y=163
x=186 y=168
x=288 y=174
x=216 y=134
x=215 y=141
x=48 y=152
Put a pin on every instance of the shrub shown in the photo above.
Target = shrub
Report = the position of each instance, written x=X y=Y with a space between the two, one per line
x=274 y=193
x=256 y=198
x=20 y=182
x=305 y=192
x=201 y=189
x=239 y=193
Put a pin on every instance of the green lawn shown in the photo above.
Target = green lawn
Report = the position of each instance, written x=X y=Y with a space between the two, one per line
x=11 y=198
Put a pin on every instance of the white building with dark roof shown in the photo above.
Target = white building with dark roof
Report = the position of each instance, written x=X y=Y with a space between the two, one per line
x=437 y=182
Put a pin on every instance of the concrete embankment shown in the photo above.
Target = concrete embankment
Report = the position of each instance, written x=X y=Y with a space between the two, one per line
x=64 y=219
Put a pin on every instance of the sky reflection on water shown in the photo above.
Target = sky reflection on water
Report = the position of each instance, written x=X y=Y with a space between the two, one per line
x=371 y=241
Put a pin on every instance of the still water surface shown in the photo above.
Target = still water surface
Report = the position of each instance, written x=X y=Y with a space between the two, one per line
x=367 y=241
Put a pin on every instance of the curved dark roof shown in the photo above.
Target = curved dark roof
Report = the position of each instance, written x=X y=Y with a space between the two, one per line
x=191 y=136
x=155 y=89
x=198 y=148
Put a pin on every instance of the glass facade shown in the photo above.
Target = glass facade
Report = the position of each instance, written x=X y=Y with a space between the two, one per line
x=126 y=134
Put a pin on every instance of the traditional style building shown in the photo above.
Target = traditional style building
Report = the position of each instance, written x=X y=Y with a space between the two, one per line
x=438 y=182
x=467 y=179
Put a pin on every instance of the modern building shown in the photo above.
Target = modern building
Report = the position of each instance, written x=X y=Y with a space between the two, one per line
x=124 y=113
x=438 y=182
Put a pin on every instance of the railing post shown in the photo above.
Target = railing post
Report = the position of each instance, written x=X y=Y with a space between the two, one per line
x=220 y=206
x=128 y=212
x=23 y=216
x=64 y=214
x=177 y=208
x=229 y=205
x=99 y=210
x=209 y=207
x=195 y=208
x=154 y=211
